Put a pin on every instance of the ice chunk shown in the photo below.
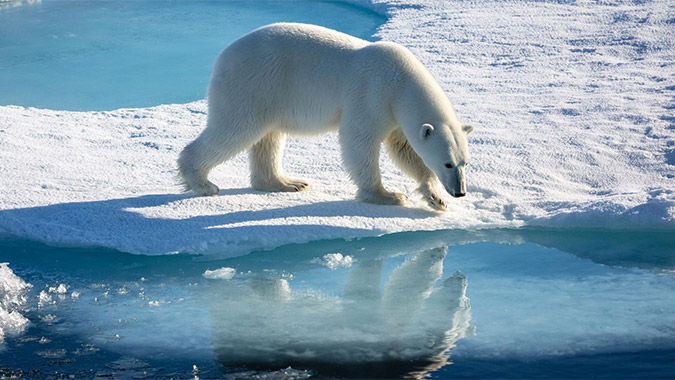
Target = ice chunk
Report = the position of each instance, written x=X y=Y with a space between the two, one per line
x=334 y=260
x=16 y=3
x=61 y=289
x=12 y=302
x=44 y=299
x=223 y=273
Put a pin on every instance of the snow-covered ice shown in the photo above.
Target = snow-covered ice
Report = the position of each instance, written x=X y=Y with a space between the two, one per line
x=572 y=103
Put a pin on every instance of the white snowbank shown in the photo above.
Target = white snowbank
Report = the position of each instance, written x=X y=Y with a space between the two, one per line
x=12 y=302
x=572 y=105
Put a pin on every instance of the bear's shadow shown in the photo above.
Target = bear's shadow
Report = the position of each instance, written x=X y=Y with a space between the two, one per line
x=121 y=224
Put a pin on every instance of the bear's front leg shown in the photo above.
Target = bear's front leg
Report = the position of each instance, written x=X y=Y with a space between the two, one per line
x=361 y=155
x=411 y=163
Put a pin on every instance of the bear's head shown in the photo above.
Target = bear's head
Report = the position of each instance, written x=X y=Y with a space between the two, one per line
x=444 y=150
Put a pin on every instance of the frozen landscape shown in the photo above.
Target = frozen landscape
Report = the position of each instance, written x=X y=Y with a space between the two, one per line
x=562 y=247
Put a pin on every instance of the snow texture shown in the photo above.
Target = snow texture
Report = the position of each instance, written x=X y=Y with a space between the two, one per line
x=572 y=103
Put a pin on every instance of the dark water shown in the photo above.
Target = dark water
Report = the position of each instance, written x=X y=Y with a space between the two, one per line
x=529 y=303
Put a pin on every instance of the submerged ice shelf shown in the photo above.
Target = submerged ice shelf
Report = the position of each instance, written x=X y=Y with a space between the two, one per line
x=406 y=304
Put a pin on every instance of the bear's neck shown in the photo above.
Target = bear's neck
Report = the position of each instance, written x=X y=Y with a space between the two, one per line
x=421 y=100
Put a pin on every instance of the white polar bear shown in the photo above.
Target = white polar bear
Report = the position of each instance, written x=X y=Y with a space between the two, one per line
x=303 y=79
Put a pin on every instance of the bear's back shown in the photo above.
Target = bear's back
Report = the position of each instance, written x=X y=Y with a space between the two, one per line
x=290 y=73
x=286 y=46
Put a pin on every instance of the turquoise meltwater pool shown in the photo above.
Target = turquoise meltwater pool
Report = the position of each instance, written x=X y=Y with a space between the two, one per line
x=86 y=55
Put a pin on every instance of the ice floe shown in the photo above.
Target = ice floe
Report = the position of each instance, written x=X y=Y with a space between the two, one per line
x=572 y=105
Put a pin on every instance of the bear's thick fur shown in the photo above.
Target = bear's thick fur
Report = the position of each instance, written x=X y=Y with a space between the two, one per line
x=304 y=79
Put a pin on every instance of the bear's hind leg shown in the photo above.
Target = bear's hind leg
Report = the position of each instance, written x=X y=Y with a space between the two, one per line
x=194 y=167
x=266 y=171
x=214 y=146
x=411 y=163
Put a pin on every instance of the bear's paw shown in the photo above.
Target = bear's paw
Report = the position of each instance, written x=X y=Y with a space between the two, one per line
x=383 y=198
x=206 y=189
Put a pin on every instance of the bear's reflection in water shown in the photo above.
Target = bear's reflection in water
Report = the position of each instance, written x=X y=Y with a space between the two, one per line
x=405 y=331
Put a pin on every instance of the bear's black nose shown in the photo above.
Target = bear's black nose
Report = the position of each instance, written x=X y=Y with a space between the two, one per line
x=459 y=195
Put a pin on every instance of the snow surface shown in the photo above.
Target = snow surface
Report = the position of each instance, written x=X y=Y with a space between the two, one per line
x=572 y=103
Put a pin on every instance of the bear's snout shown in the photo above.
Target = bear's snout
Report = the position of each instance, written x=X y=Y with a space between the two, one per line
x=458 y=195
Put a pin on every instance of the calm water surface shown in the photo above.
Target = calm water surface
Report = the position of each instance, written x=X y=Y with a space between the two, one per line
x=106 y=54
x=493 y=304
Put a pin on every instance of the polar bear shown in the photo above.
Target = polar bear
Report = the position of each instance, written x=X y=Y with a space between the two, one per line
x=290 y=78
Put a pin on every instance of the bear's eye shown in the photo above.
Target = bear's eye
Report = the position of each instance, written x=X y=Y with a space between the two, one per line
x=449 y=166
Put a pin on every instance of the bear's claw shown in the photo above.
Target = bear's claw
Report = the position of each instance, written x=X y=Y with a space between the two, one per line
x=436 y=202
x=297 y=184
x=429 y=192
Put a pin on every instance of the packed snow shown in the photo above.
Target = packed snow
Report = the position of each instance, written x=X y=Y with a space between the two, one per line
x=572 y=104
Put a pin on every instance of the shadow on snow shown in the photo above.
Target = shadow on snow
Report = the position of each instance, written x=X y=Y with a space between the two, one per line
x=125 y=223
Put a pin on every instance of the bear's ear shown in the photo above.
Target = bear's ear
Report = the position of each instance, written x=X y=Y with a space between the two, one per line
x=426 y=130
x=467 y=128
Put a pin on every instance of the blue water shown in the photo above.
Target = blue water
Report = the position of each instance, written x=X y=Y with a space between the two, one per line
x=530 y=303
x=106 y=54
